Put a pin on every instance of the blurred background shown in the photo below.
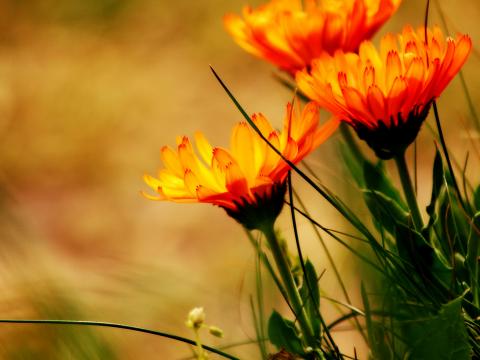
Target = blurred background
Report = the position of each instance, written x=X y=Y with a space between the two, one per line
x=89 y=92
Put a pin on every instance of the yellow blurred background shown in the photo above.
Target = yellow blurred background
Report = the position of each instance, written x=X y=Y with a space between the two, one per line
x=89 y=92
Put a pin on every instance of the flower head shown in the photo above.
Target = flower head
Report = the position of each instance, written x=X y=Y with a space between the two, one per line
x=248 y=180
x=290 y=34
x=196 y=318
x=386 y=95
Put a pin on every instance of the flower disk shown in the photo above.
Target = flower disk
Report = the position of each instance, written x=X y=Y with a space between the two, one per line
x=250 y=172
x=386 y=95
x=290 y=35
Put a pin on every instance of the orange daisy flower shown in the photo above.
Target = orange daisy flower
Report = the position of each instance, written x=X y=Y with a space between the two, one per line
x=248 y=176
x=386 y=95
x=291 y=33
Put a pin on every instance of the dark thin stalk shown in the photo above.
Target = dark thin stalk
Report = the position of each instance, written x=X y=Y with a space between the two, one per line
x=447 y=157
x=302 y=264
x=415 y=172
x=332 y=234
x=409 y=191
x=437 y=121
x=327 y=253
x=256 y=325
x=231 y=346
x=118 y=326
x=290 y=286
x=471 y=106
x=343 y=318
x=269 y=267
x=425 y=23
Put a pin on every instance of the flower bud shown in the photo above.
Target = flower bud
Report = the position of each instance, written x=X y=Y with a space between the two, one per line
x=216 y=331
x=196 y=318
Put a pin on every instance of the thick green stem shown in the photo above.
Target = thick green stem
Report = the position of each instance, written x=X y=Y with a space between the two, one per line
x=409 y=191
x=290 y=286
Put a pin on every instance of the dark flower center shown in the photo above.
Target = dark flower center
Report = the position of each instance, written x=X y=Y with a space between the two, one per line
x=261 y=212
x=392 y=140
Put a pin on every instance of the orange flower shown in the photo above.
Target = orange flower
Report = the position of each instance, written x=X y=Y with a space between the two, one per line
x=249 y=173
x=290 y=35
x=386 y=95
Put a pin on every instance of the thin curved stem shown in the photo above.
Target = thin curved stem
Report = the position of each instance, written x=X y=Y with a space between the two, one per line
x=304 y=271
x=409 y=191
x=290 y=286
x=447 y=156
x=118 y=326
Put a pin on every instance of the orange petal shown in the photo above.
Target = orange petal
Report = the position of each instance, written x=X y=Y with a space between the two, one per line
x=325 y=131
x=396 y=97
x=236 y=182
x=356 y=105
x=393 y=68
x=376 y=102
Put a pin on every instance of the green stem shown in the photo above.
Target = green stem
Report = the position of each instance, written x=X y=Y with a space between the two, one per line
x=289 y=284
x=200 y=353
x=351 y=143
x=409 y=191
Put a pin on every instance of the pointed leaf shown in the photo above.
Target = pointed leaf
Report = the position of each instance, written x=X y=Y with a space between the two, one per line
x=414 y=249
x=352 y=165
x=283 y=335
x=476 y=198
x=412 y=246
x=385 y=210
x=473 y=254
x=311 y=296
x=376 y=179
x=443 y=337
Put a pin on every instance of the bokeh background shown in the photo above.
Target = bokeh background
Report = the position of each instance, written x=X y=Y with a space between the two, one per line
x=89 y=92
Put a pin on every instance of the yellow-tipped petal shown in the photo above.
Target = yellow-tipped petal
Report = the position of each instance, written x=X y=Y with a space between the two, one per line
x=250 y=168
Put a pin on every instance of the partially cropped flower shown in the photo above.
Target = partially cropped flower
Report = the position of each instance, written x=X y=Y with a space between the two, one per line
x=248 y=180
x=386 y=95
x=291 y=33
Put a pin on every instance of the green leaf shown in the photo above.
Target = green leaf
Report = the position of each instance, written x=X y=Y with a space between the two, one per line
x=437 y=183
x=311 y=296
x=311 y=275
x=412 y=246
x=473 y=254
x=283 y=335
x=376 y=179
x=442 y=337
x=385 y=210
x=375 y=332
x=476 y=198
x=368 y=315
x=453 y=227
x=352 y=155
x=414 y=249
x=351 y=163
